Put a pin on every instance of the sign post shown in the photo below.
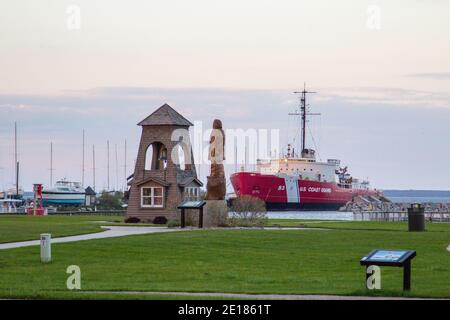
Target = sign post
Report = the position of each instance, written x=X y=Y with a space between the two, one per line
x=391 y=258
x=198 y=205
x=46 y=247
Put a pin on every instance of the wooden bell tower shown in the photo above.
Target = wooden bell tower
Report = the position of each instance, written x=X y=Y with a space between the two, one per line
x=165 y=171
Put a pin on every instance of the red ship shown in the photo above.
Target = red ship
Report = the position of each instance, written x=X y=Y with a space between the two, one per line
x=299 y=182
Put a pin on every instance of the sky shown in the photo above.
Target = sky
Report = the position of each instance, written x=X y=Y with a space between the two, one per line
x=381 y=70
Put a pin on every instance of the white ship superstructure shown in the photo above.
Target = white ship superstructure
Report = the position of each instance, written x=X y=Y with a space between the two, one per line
x=65 y=193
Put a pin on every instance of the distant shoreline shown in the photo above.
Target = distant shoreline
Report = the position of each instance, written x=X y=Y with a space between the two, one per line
x=417 y=193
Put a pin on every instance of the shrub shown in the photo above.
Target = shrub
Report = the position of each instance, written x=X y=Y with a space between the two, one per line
x=173 y=223
x=110 y=200
x=160 y=220
x=216 y=214
x=248 y=211
x=132 y=220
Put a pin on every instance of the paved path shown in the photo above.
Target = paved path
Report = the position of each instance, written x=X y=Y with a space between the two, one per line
x=253 y=296
x=120 y=231
x=111 y=232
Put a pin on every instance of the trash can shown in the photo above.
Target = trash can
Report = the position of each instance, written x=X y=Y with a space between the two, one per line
x=416 y=217
x=46 y=247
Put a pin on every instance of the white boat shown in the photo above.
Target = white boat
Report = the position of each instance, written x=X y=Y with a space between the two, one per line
x=11 y=193
x=8 y=205
x=65 y=193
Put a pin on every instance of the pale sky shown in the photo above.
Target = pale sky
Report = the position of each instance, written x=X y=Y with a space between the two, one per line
x=381 y=69
x=234 y=44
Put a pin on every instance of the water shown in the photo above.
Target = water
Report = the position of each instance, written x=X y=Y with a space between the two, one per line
x=311 y=215
x=420 y=199
x=418 y=196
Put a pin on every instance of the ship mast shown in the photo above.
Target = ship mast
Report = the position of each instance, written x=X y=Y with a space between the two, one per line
x=303 y=113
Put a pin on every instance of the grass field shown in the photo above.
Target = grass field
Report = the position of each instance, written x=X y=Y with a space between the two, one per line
x=239 y=261
x=19 y=228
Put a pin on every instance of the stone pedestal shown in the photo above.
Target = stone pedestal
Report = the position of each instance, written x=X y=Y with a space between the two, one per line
x=215 y=213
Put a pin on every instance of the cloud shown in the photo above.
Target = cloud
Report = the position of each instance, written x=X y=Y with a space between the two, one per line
x=431 y=75
x=388 y=96
x=371 y=129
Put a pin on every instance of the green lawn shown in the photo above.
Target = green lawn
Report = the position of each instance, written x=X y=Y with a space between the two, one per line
x=353 y=225
x=240 y=261
x=19 y=228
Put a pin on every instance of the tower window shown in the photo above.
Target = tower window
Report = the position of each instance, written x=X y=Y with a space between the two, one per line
x=152 y=197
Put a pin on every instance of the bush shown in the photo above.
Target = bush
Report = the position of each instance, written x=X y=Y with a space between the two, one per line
x=173 y=223
x=132 y=220
x=216 y=214
x=160 y=220
x=110 y=200
x=248 y=211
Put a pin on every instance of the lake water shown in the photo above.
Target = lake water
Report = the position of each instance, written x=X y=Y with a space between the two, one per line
x=420 y=199
x=418 y=196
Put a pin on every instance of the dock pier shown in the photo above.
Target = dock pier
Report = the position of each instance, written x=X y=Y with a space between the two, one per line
x=398 y=216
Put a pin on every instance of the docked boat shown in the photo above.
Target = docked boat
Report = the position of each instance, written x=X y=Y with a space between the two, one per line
x=64 y=193
x=12 y=193
x=300 y=182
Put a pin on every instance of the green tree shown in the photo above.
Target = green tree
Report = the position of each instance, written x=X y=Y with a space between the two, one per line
x=110 y=200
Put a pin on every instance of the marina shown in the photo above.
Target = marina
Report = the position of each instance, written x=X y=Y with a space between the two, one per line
x=201 y=152
x=294 y=186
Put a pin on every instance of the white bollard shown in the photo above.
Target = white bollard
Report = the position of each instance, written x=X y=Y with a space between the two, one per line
x=46 y=247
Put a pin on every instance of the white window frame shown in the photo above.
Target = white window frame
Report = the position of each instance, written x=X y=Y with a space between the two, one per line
x=152 y=197
x=192 y=191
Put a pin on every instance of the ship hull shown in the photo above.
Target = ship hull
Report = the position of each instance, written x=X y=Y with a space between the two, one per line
x=290 y=193
x=62 y=199
x=288 y=206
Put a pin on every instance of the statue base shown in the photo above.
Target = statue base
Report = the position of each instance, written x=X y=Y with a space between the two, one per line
x=216 y=188
x=215 y=213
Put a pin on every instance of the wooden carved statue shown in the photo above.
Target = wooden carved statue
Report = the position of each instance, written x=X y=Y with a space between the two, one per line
x=216 y=186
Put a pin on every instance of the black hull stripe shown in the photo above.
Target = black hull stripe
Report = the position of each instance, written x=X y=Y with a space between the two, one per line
x=287 y=206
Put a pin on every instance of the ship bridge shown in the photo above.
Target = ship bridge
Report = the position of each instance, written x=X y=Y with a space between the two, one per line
x=305 y=168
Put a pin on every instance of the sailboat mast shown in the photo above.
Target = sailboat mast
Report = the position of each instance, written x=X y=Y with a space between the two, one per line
x=82 y=170
x=107 y=164
x=16 y=162
x=51 y=164
x=125 y=166
x=93 y=166
x=117 y=168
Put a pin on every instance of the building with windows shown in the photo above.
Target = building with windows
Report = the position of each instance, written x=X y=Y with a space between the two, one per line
x=164 y=173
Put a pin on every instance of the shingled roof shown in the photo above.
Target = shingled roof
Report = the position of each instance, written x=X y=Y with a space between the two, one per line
x=165 y=115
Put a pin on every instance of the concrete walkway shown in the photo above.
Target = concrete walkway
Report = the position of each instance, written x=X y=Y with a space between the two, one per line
x=121 y=231
x=111 y=232
x=253 y=296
